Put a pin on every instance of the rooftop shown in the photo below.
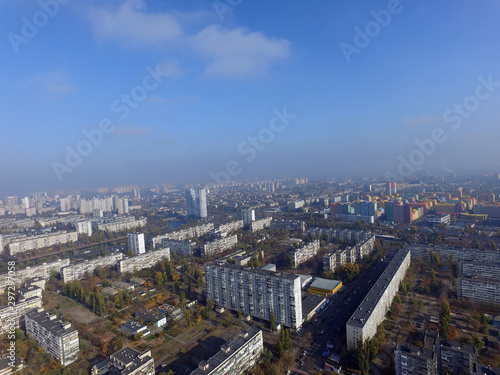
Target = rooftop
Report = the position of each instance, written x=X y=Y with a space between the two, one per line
x=324 y=284
x=51 y=323
x=365 y=309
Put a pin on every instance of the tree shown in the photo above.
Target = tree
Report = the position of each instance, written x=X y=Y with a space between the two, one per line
x=273 y=322
x=284 y=343
x=363 y=357
x=444 y=320
x=288 y=261
x=159 y=278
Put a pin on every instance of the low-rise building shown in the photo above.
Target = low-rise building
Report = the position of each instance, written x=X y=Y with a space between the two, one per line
x=324 y=287
x=236 y=356
x=133 y=327
x=55 y=337
x=151 y=318
x=128 y=361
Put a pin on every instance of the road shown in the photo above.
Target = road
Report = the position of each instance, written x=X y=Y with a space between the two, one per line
x=333 y=319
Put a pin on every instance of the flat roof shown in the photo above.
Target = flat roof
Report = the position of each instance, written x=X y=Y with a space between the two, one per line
x=366 y=307
x=415 y=351
x=221 y=356
x=311 y=302
x=324 y=284
x=55 y=326
x=260 y=271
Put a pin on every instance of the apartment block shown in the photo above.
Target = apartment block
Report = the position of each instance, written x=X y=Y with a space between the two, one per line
x=256 y=292
x=412 y=360
x=55 y=337
x=128 y=361
x=142 y=261
x=341 y=235
x=291 y=225
x=304 y=253
x=136 y=243
x=231 y=227
x=248 y=216
x=184 y=234
x=463 y=254
x=371 y=312
x=15 y=316
x=43 y=271
x=41 y=241
x=479 y=289
x=120 y=224
x=77 y=271
x=179 y=247
x=218 y=246
x=84 y=227
x=455 y=358
x=236 y=356
x=260 y=224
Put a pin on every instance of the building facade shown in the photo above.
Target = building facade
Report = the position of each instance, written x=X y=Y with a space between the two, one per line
x=236 y=356
x=411 y=360
x=196 y=202
x=78 y=271
x=218 y=246
x=55 y=337
x=304 y=253
x=41 y=241
x=371 y=312
x=256 y=292
x=136 y=243
x=142 y=261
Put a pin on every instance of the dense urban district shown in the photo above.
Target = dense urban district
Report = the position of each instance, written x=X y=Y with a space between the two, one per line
x=283 y=276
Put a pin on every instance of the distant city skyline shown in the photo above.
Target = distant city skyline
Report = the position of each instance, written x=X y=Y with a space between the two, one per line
x=108 y=93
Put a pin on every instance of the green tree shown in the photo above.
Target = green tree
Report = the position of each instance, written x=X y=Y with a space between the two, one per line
x=159 y=278
x=273 y=322
x=444 y=320
x=284 y=343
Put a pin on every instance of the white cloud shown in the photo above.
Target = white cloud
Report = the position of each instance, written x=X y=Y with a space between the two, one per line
x=131 y=25
x=238 y=52
x=232 y=53
x=55 y=84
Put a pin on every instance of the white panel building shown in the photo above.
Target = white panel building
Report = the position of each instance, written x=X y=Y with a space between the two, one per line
x=371 y=312
x=256 y=292
x=136 y=243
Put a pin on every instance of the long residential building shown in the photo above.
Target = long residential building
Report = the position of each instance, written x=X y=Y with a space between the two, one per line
x=235 y=357
x=459 y=254
x=77 y=271
x=184 y=234
x=291 y=225
x=371 y=312
x=119 y=224
x=231 y=226
x=142 y=261
x=304 y=253
x=14 y=316
x=256 y=292
x=185 y=247
x=218 y=246
x=479 y=289
x=40 y=241
x=342 y=235
x=57 y=338
x=260 y=224
x=43 y=271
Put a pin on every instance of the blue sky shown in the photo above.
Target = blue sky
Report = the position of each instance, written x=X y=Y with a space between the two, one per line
x=228 y=69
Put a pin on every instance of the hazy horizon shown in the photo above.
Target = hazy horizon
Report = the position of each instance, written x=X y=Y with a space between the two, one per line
x=135 y=92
